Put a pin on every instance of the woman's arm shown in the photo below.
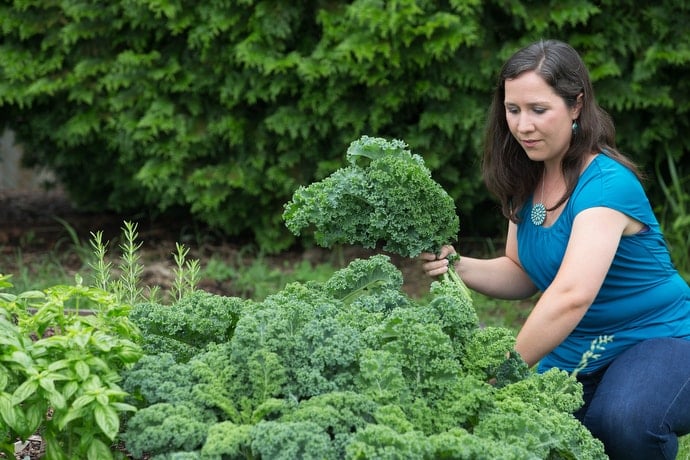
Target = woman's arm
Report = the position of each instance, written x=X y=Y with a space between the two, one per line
x=500 y=277
x=593 y=242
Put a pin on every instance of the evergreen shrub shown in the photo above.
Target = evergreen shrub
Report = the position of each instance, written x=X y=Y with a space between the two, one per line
x=223 y=108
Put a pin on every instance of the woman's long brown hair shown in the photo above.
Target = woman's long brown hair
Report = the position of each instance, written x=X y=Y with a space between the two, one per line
x=508 y=173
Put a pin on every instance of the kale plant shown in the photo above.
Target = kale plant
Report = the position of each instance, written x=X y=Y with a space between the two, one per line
x=352 y=368
x=386 y=196
x=188 y=325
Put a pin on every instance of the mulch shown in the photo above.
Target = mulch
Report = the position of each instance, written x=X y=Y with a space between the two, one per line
x=32 y=449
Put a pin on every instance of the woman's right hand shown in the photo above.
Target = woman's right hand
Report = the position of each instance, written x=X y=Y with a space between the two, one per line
x=436 y=264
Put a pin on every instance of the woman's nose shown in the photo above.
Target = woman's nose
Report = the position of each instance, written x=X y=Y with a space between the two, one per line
x=525 y=124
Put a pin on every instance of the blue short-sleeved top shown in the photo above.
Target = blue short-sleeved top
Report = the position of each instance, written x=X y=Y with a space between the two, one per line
x=642 y=296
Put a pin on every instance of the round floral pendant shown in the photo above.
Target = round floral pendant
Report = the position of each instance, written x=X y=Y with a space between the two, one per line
x=538 y=215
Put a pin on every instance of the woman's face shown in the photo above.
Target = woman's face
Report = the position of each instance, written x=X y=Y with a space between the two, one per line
x=538 y=118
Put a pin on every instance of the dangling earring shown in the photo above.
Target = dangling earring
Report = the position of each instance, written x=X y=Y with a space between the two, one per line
x=576 y=127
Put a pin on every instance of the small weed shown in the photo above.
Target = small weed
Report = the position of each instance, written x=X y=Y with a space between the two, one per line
x=306 y=271
x=75 y=243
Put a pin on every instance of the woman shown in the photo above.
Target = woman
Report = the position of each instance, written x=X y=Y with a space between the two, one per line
x=582 y=232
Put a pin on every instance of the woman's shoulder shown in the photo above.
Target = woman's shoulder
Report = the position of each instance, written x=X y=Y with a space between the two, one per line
x=610 y=173
x=607 y=165
x=606 y=181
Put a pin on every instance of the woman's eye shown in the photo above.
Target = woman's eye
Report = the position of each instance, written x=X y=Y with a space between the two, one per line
x=539 y=110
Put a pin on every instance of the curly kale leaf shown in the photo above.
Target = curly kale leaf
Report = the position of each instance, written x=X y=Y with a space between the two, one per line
x=381 y=377
x=291 y=440
x=553 y=389
x=383 y=442
x=228 y=440
x=158 y=378
x=386 y=195
x=163 y=427
x=340 y=414
x=189 y=325
x=544 y=432
x=455 y=311
x=207 y=381
x=458 y=443
x=536 y=414
x=416 y=340
x=301 y=326
x=460 y=404
x=513 y=369
x=487 y=350
x=375 y=275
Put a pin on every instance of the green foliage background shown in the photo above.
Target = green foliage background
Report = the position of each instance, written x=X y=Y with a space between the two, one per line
x=224 y=107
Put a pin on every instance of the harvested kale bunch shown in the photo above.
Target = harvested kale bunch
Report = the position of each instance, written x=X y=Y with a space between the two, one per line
x=386 y=195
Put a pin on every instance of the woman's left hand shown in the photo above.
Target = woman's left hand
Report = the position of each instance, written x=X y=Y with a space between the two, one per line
x=436 y=264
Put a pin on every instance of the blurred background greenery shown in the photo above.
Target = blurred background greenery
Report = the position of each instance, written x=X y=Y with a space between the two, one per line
x=216 y=111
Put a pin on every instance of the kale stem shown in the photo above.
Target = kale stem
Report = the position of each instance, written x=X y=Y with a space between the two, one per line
x=453 y=276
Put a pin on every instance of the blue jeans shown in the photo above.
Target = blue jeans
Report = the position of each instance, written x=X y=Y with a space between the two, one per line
x=640 y=404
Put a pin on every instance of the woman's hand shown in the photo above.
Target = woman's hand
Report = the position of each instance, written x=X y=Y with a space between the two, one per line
x=501 y=277
x=436 y=264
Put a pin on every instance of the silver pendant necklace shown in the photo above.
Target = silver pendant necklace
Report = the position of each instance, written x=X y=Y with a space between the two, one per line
x=538 y=214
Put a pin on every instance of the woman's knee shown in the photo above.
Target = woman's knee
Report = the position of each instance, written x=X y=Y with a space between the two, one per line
x=628 y=432
x=639 y=408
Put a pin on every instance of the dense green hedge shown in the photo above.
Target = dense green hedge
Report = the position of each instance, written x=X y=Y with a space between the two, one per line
x=224 y=107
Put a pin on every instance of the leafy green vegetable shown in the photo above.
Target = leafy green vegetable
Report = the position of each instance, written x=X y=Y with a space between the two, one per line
x=353 y=368
x=385 y=195
x=187 y=326
x=453 y=304
x=284 y=440
x=55 y=360
x=228 y=440
x=371 y=277
x=162 y=427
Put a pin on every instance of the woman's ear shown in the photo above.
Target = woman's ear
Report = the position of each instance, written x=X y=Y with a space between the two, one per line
x=577 y=107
